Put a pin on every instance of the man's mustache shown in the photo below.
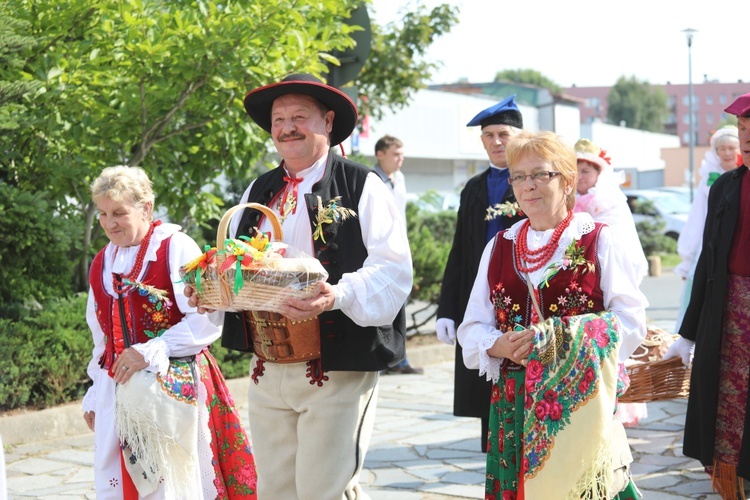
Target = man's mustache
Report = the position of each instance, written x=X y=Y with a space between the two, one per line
x=293 y=135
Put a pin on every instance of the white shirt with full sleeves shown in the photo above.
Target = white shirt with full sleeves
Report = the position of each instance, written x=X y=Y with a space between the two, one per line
x=374 y=294
x=618 y=281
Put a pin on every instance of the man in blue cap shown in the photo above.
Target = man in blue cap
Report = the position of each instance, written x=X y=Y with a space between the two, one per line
x=487 y=206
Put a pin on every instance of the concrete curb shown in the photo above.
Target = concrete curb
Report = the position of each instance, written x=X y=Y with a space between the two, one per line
x=67 y=420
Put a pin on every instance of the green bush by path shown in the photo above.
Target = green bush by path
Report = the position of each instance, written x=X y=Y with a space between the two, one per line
x=43 y=356
x=45 y=353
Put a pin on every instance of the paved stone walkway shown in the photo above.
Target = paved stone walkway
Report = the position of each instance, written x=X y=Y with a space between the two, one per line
x=419 y=450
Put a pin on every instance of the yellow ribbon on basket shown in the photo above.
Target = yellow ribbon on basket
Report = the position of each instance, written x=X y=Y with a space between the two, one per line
x=199 y=265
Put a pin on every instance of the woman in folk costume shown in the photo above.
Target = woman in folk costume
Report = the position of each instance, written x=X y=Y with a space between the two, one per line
x=715 y=329
x=554 y=311
x=722 y=155
x=600 y=195
x=140 y=320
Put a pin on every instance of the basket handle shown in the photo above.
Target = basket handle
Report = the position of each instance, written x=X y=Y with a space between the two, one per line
x=221 y=233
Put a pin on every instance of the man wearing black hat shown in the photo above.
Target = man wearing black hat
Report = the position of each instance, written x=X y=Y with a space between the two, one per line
x=312 y=409
x=487 y=206
x=714 y=332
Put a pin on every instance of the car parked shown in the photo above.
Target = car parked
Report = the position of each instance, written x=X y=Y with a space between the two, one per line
x=672 y=208
x=682 y=191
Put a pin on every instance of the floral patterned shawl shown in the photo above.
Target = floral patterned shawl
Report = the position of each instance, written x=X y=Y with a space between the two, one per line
x=556 y=415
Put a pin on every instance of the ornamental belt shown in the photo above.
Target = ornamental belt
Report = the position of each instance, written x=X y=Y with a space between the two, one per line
x=279 y=339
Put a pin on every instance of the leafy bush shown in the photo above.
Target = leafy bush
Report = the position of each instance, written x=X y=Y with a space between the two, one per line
x=430 y=239
x=651 y=232
x=43 y=356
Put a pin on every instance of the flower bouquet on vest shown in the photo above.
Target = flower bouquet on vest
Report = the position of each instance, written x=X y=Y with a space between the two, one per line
x=257 y=273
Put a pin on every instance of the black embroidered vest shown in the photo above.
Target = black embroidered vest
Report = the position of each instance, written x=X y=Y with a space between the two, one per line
x=345 y=346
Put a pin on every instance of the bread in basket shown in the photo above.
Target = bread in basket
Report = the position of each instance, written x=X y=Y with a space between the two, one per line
x=257 y=273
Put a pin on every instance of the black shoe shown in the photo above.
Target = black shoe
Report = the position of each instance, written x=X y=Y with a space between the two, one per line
x=404 y=370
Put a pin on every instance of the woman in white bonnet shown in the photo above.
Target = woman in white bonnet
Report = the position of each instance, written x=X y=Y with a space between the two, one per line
x=722 y=155
x=600 y=195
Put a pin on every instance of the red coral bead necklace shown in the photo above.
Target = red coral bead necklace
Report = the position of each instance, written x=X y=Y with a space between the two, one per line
x=535 y=259
x=117 y=279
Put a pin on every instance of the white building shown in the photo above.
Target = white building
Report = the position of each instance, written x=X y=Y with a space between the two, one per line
x=442 y=153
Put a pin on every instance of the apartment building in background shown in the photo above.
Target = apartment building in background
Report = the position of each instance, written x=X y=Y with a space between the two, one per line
x=709 y=100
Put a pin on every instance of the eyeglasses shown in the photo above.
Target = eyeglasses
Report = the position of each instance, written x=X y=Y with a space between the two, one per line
x=537 y=177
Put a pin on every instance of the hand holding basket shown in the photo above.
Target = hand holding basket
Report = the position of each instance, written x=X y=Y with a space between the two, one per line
x=240 y=276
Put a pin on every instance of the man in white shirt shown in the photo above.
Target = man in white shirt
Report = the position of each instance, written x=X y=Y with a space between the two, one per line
x=312 y=408
x=389 y=152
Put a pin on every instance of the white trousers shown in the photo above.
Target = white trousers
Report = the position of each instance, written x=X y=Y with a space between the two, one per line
x=310 y=441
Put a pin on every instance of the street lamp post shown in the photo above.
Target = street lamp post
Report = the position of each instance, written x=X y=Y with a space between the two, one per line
x=689 y=32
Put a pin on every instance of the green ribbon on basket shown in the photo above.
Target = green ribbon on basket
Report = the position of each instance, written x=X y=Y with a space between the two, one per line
x=239 y=281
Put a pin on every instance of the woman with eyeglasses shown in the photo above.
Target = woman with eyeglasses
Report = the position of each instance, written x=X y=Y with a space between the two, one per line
x=554 y=311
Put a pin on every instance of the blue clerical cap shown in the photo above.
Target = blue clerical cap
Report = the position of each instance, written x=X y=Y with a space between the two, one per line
x=503 y=113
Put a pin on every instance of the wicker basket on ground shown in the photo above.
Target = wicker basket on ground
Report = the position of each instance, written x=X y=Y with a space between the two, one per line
x=264 y=285
x=653 y=378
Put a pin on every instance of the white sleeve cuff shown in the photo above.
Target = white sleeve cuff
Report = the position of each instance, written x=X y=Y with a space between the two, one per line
x=89 y=400
x=156 y=353
x=489 y=366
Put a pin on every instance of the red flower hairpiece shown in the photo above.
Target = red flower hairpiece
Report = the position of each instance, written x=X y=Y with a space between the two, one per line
x=603 y=156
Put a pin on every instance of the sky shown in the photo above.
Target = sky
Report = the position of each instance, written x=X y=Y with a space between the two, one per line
x=589 y=43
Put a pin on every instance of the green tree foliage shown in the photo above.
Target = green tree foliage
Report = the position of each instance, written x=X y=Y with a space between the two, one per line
x=638 y=104
x=157 y=84
x=35 y=250
x=160 y=84
x=396 y=67
x=527 y=76
x=13 y=105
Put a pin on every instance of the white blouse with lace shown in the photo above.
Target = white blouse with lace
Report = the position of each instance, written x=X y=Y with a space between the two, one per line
x=619 y=283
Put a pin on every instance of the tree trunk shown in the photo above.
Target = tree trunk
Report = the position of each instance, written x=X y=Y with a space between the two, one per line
x=82 y=276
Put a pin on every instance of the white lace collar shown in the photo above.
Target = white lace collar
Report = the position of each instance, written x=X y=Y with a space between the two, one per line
x=581 y=224
x=121 y=259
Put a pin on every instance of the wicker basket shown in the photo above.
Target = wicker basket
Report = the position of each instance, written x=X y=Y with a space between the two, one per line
x=657 y=381
x=264 y=289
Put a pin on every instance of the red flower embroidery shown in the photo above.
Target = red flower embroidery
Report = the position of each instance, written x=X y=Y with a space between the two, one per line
x=187 y=390
x=583 y=386
x=589 y=375
x=597 y=330
x=555 y=411
x=510 y=389
x=542 y=410
x=509 y=495
x=550 y=396
x=496 y=394
x=534 y=371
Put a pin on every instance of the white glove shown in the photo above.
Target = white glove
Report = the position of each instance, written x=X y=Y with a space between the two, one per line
x=446 y=330
x=683 y=348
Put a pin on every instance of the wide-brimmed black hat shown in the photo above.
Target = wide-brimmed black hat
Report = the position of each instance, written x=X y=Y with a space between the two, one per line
x=258 y=103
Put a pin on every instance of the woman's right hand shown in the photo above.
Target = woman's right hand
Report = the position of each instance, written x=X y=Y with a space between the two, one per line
x=89 y=418
x=513 y=345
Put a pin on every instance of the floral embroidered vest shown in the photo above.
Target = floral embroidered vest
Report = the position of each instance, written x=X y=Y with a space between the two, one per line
x=146 y=315
x=569 y=292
